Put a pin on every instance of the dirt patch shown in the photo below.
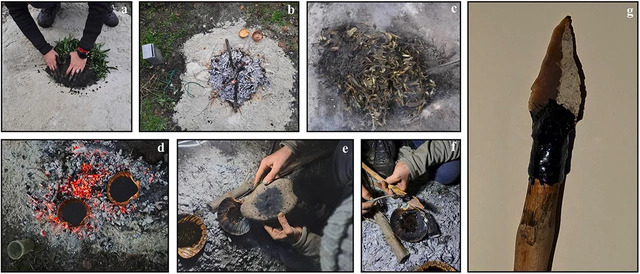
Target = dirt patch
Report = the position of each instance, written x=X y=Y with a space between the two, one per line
x=32 y=101
x=80 y=80
x=431 y=22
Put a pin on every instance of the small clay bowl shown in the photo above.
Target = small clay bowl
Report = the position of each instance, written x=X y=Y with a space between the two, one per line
x=230 y=218
x=409 y=224
x=73 y=212
x=192 y=236
x=243 y=33
x=257 y=36
x=266 y=201
x=122 y=188
x=436 y=266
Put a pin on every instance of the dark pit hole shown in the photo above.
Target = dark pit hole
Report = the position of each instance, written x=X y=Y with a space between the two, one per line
x=269 y=202
x=122 y=189
x=73 y=212
x=189 y=234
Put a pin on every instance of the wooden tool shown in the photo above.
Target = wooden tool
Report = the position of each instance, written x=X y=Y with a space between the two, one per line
x=556 y=104
x=413 y=202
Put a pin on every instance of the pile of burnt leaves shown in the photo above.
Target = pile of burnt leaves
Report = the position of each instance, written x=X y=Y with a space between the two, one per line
x=236 y=76
x=96 y=68
x=378 y=71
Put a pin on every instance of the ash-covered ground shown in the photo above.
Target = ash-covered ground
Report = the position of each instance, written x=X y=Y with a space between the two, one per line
x=32 y=101
x=209 y=170
x=443 y=202
x=38 y=175
x=436 y=23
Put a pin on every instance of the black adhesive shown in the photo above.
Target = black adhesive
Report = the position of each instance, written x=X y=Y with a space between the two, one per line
x=553 y=133
x=269 y=202
x=74 y=212
x=189 y=234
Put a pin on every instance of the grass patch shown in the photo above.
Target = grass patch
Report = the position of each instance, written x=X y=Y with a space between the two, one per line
x=149 y=121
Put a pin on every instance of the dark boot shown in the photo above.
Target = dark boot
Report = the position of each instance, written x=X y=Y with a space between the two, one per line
x=47 y=16
x=112 y=19
x=384 y=157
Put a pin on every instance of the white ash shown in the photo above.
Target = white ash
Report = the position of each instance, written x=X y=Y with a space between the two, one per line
x=242 y=70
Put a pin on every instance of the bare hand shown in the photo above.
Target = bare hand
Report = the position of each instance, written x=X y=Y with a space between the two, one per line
x=286 y=233
x=275 y=162
x=366 y=206
x=50 y=59
x=400 y=178
x=77 y=64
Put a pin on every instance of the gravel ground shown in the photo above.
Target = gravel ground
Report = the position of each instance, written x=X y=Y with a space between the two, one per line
x=31 y=101
x=204 y=173
x=444 y=203
x=129 y=238
x=434 y=22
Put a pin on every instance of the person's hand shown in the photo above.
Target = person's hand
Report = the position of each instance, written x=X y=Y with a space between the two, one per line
x=400 y=178
x=50 y=59
x=286 y=233
x=275 y=162
x=76 y=65
x=366 y=206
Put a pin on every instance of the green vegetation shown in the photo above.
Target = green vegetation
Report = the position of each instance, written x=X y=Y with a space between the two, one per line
x=149 y=121
x=96 y=61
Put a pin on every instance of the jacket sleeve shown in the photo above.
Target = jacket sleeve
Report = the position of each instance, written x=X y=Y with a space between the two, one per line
x=20 y=14
x=432 y=152
x=93 y=26
x=308 y=244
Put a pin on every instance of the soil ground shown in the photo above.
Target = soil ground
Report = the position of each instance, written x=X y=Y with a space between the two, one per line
x=170 y=25
x=32 y=101
x=434 y=22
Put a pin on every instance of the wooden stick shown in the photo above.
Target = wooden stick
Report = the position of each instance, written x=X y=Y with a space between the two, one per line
x=396 y=246
x=556 y=104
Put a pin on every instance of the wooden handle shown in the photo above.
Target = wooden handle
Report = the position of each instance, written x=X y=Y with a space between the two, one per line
x=538 y=230
x=396 y=246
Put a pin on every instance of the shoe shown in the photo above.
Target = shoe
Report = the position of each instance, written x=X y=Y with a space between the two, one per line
x=47 y=16
x=112 y=19
x=384 y=155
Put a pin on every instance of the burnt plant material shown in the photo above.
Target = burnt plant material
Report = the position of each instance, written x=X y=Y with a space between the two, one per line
x=122 y=187
x=230 y=218
x=236 y=76
x=378 y=72
x=73 y=211
x=95 y=70
x=192 y=236
x=409 y=224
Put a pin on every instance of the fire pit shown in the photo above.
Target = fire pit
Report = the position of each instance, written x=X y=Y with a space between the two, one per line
x=73 y=212
x=236 y=76
x=122 y=188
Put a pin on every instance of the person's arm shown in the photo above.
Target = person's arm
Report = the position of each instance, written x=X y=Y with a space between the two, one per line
x=20 y=14
x=93 y=26
x=430 y=153
x=308 y=244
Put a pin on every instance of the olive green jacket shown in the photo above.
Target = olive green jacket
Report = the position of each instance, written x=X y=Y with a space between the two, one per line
x=432 y=152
